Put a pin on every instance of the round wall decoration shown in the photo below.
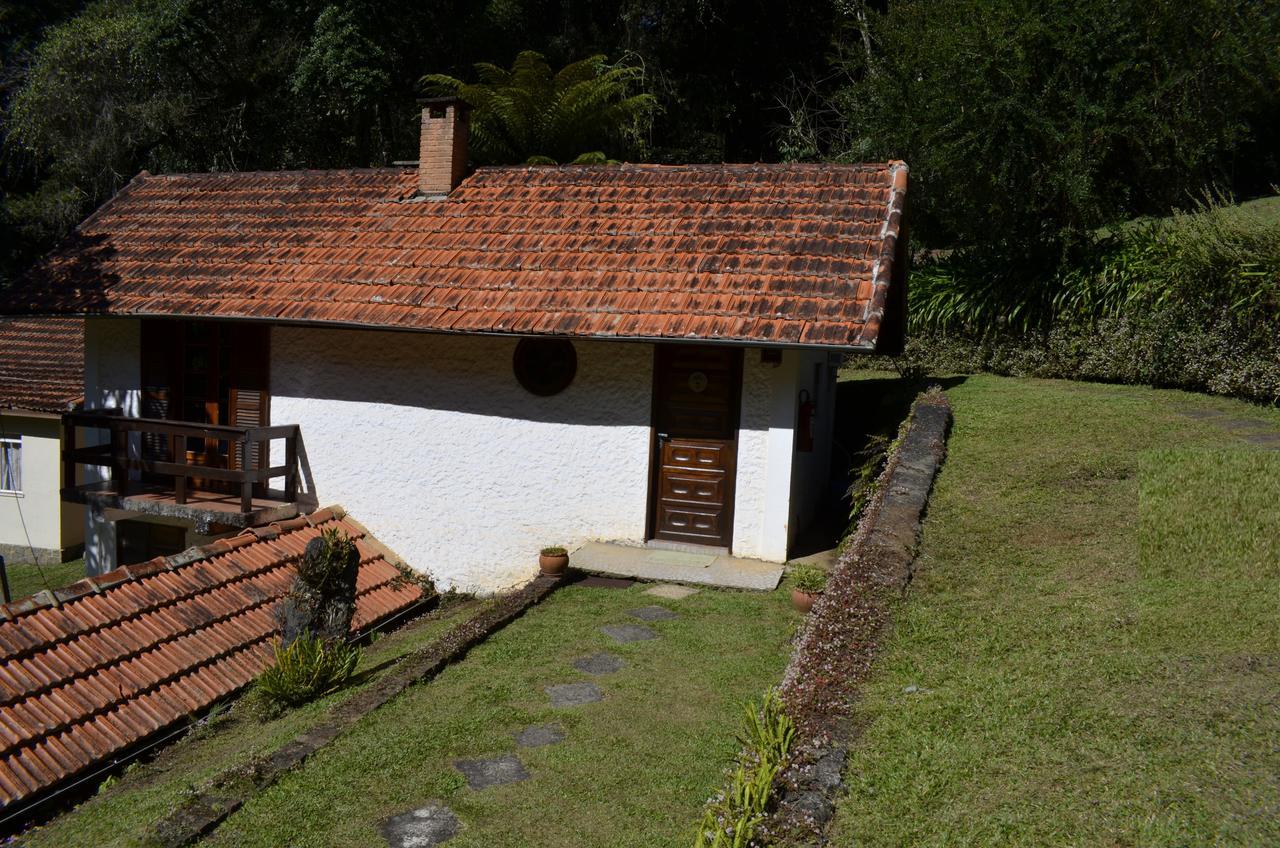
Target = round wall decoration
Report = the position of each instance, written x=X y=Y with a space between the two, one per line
x=545 y=366
x=698 y=382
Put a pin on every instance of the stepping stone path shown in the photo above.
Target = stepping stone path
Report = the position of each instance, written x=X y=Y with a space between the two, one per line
x=435 y=824
x=421 y=828
x=652 y=614
x=492 y=771
x=538 y=735
x=671 y=591
x=601 y=663
x=624 y=633
x=574 y=694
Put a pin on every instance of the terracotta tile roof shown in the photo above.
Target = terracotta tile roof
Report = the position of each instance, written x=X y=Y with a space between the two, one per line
x=41 y=363
x=798 y=254
x=88 y=671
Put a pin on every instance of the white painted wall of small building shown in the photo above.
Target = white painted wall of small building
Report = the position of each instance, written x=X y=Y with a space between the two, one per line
x=766 y=431
x=429 y=441
x=36 y=517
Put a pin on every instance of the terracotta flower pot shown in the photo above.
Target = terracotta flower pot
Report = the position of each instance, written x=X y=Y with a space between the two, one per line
x=803 y=601
x=553 y=565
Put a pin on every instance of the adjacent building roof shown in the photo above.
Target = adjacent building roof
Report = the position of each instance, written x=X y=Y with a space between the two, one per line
x=41 y=363
x=88 y=671
x=799 y=254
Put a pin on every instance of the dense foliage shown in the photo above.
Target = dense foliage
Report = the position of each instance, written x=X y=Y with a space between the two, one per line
x=1034 y=130
x=1028 y=125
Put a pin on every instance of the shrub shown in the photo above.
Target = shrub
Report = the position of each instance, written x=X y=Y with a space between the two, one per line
x=307 y=669
x=732 y=816
x=554 y=550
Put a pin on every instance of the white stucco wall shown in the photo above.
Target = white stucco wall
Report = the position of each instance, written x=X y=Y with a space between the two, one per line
x=429 y=441
x=761 y=515
x=113 y=364
x=36 y=517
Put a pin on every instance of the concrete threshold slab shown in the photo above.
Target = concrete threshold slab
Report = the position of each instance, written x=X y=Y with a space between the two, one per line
x=703 y=569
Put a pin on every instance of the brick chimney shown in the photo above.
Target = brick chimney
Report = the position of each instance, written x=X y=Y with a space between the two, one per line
x=442 y=150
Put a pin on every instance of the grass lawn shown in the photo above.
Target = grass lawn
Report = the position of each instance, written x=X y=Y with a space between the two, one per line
x=25 y=579
x=634 y=769
x=1093 y=630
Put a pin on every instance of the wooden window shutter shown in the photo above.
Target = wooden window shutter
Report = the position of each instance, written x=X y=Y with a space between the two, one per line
x=248 y=396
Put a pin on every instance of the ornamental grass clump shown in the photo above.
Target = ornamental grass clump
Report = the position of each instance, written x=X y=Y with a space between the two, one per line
x=731 y=817
x=808 y=579
x=309 y=668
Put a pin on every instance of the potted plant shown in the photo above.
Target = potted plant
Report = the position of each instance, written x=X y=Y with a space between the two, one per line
x=553 y=560
x=807 y=584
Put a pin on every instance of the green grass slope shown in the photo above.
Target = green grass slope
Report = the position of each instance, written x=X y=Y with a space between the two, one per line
x=1093 y=631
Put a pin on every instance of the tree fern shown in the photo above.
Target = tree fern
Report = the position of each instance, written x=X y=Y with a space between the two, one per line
x=587 y=112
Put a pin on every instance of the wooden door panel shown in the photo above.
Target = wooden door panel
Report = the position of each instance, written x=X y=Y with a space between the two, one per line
x=689 y=525
x=679 y=453
x=692 y=487
x=696 y=408
x=695 y=422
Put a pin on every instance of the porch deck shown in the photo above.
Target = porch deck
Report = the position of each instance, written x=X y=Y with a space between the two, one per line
x=704 y=569
x=208 y=511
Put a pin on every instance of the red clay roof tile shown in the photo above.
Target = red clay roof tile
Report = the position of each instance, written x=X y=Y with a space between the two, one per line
x=154 y=649
x=512 y=250
x=41 y=363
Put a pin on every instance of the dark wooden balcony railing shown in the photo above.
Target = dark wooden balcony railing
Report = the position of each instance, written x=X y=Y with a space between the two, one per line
x=163 y=453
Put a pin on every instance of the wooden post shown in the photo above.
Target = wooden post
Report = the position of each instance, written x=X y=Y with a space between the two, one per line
x=119 y=457
x=178 y=454
x=291 y=462
x=246 y=487
x=68 y=451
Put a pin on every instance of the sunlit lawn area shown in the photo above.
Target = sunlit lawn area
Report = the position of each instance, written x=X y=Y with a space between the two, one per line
x=634 y=769
x=26 y=579
x=1094 y=631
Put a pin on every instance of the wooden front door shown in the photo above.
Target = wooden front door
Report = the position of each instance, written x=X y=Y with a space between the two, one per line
x=695 y=417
